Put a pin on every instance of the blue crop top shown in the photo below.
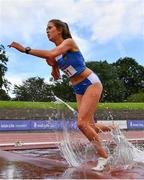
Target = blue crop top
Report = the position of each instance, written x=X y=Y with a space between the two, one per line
x=71 y=63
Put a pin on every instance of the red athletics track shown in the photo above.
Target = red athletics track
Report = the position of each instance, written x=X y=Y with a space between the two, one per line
x=31 y=137
x=42 y=168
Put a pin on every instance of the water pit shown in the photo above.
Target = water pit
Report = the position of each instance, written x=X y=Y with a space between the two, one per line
x=74 y=157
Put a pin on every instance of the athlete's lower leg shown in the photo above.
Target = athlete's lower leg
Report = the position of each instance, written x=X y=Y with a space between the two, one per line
x=88 y=130
x=99 y=127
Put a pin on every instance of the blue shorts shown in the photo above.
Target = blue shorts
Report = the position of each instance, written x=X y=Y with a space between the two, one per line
x=81 y=87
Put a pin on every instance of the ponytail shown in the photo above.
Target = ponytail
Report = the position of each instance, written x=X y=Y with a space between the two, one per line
x=67 y=33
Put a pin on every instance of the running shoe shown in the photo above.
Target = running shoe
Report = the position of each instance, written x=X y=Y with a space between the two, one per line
x=101 y=164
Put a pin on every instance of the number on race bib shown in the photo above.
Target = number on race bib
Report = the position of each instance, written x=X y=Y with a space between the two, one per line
x=70 y=71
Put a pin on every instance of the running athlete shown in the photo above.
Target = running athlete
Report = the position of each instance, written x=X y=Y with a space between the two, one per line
x=86 y=84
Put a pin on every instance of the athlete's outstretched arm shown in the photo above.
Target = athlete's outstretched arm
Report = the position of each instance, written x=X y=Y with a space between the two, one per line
x=65 y=46
x=48 y=55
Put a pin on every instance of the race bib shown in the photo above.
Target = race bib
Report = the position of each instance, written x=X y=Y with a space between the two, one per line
x=70 y=71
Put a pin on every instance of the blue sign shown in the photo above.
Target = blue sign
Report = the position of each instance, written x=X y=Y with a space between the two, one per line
x=19 y=125
x=135 y=124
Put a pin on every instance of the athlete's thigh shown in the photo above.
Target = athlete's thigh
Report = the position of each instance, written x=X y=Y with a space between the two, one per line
x=90 y=100
x=78 y=99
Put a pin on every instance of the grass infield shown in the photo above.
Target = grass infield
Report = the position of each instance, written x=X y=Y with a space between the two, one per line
x=47 y=105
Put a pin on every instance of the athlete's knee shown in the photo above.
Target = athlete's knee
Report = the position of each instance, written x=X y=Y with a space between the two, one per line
x=81 y=124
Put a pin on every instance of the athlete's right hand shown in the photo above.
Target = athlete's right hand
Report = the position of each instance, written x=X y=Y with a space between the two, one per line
x=17 y=46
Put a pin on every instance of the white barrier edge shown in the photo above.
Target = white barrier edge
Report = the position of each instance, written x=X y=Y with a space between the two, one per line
x=20 y=143
x=121 y=123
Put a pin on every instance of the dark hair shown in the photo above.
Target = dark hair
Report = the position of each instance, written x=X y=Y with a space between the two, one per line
x=62 y=26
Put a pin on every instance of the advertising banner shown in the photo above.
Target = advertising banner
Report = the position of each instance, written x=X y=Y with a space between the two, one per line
x=19 y=125
x=135 y=124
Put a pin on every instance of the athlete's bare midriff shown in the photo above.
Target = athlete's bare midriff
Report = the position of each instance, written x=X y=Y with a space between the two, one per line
x=78 y=78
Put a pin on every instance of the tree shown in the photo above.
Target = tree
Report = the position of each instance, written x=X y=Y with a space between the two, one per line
x=33 y=89
x=138 y=97
x=63 y=89
x=4 y=95
x=3 y=68
x=131 y=74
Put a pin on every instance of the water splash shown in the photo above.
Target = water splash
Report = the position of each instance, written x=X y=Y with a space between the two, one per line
x=58 y=100
x=125 y=154
x=77 y=151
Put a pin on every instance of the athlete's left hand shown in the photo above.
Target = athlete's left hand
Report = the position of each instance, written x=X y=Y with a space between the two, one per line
x=55 y=72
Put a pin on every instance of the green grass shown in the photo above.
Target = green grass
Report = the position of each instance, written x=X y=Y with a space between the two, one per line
x=121 y=106
x=47 y=105
x=23 y=104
